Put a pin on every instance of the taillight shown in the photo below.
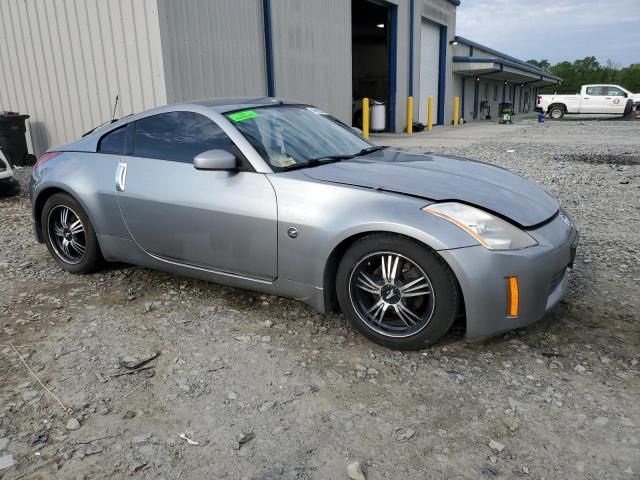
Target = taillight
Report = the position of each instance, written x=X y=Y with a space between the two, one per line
x=46 y=157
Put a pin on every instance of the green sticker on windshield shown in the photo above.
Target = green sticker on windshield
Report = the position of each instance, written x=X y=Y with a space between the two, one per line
x=242 y=116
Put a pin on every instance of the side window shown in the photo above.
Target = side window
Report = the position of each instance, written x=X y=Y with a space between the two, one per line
x=615 y=92
x=595 y=91
x=177 y=136
x=114 y=142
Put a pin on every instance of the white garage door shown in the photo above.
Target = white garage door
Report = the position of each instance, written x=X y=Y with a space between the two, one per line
x=429 y=68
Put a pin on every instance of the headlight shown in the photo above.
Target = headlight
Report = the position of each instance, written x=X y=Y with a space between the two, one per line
x=491 y=231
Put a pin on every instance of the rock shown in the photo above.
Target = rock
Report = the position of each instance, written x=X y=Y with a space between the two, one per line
x=404 y=434
x=6 y=461
x=512 y=423
x=601 y=421
x=129 y=415
x=579 y=368
x=30 y=395
x=268 y=405
x=142 y=438
x=341 y=340
x=232 y=396
x=354 y=471
x=525 y=470
x=242 y=439
x=497 y=446
x=4 y=443
x=73 y=424
x=267 y=323
x=265 y=339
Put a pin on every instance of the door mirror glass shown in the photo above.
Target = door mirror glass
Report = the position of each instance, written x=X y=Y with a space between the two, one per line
x=215 y=160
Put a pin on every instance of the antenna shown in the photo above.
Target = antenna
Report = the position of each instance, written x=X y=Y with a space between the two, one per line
x=115 y=105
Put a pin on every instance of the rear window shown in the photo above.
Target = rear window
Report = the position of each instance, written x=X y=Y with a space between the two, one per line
x=596 y=91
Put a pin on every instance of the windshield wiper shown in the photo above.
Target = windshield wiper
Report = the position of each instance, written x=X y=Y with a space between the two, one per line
x=367 y=150
x=319 y=161
x=333 y=158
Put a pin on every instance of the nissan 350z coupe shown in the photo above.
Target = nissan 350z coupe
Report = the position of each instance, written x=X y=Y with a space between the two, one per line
x=280 y=197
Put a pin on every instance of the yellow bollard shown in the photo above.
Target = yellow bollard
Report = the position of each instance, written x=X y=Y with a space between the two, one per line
x=409 y=115
x=365 y=117
x=456 y=111
x=430 y=113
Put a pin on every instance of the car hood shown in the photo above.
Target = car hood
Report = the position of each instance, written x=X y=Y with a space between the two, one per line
x=441 y=178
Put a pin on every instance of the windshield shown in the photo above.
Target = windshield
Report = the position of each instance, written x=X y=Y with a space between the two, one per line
x=297 y=136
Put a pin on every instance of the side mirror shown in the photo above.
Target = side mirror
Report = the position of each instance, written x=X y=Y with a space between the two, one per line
x=357 y=130
x=215 y=160
x=626 y=95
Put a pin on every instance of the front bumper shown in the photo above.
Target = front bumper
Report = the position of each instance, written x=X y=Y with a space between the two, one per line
x=542 y=273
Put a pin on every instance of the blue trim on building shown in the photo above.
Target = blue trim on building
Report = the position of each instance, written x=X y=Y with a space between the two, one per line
x=268 y=47
x=442 y=69
x=393 y=65
x=411 y=22
x=517 y=61
x=506 y=63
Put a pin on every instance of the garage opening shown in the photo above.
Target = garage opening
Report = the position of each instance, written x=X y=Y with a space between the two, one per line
x=373 y=27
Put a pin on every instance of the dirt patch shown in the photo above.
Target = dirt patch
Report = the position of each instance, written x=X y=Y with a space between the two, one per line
x=626 y=158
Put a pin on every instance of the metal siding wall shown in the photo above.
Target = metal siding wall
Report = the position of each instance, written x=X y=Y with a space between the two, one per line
x=312 y=53
x=212 y=48
x=64 y=61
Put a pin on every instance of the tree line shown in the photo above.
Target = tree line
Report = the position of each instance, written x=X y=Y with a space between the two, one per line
x=589 y=70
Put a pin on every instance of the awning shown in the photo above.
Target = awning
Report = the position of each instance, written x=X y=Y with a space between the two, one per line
x=503 y=69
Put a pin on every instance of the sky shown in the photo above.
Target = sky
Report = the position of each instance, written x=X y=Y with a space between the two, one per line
x=555 y=29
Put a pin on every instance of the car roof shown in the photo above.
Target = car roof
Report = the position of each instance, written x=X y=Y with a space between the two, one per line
x=223 y=105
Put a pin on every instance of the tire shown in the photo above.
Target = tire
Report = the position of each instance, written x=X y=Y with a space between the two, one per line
x=82 y=252
x=556 y=112
x=400 y=285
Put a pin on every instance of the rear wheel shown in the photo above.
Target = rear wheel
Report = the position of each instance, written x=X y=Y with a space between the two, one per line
x=69 y=235
x=556 y=112
x=396 y=292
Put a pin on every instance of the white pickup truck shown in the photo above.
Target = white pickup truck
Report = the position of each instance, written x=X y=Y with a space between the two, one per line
x=592 y=99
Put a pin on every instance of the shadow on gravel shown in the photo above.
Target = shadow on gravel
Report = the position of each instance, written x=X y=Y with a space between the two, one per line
x=626 y=158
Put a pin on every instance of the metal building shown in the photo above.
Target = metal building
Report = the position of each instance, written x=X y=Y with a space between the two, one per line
x=63 y=62
x=484 y=78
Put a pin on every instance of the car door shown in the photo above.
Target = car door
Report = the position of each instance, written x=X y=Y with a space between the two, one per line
x=593 y=101
x=615 y=100
x=219 y=220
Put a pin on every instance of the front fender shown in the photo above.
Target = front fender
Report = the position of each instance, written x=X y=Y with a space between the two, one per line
x=326 y=214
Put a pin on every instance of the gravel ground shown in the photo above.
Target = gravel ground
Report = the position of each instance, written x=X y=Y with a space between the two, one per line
x=269 y=389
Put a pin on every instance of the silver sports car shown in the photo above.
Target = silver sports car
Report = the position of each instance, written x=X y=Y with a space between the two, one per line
x=282 y=198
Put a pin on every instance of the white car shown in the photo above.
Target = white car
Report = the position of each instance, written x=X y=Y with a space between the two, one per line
x=8 y=184
x=592 y=99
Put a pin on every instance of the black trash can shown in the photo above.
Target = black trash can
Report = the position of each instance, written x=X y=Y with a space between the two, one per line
x=13 y=140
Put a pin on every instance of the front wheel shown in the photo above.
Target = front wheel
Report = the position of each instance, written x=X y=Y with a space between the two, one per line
x=396 y=292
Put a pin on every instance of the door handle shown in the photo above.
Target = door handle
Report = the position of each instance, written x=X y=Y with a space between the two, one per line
x=121 y=176
x=607 y=98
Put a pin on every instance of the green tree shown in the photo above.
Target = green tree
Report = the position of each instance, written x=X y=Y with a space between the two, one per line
x=544 y=63
x=629 y=77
